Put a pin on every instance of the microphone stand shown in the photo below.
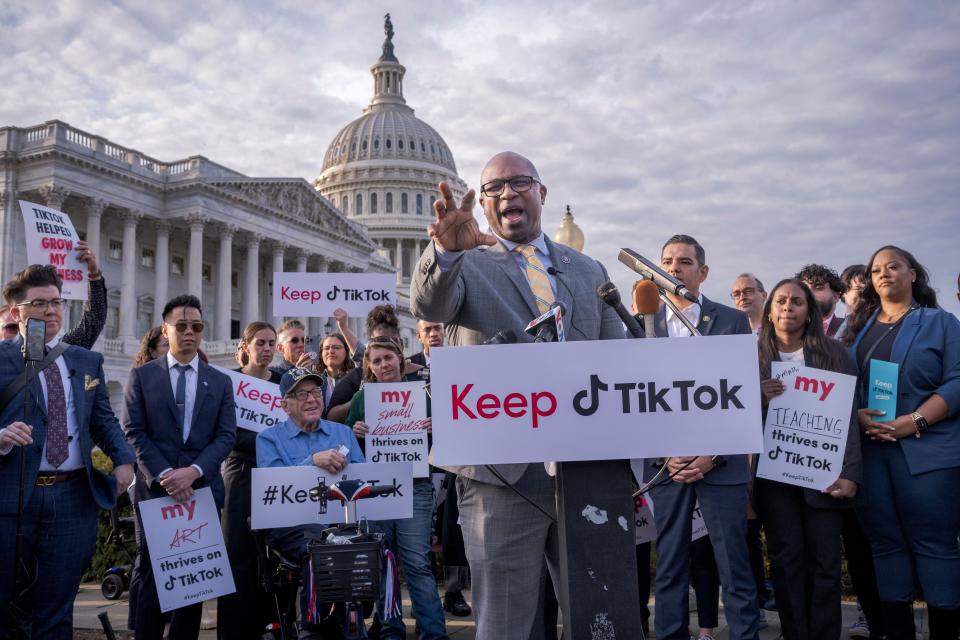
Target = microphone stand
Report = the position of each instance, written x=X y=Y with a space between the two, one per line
x=673 y=307
x=16 y=622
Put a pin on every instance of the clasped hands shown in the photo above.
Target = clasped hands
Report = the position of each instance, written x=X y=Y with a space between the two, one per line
x=899 y=427
x=689 y=469
x=178 y=483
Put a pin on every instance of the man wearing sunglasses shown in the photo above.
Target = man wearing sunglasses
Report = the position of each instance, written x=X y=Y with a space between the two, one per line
x=67 y=413
x=513 y=274
x=291 y=344
x=179 y=415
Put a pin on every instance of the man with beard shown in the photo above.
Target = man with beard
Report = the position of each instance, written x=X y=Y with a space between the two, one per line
x=478 y=284
x=827 y=288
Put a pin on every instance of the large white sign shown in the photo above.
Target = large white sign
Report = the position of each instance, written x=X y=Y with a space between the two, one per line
x=596 y=400
x=319 y=294
x=396 y=413
x=258 y=401
x=51 y=239
x=187 y=553
x=805 y=435
x=280 y=496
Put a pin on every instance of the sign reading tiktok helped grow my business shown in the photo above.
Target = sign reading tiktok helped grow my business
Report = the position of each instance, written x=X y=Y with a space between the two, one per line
x=51 y=239
x=805 y=435
x=595 y=400
x=396 y=414
x=189 y=559
x=316 y=295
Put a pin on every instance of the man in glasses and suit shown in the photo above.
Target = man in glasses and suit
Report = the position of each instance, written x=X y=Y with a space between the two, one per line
x=67 y=413
x=179 y=415
x=478 y=284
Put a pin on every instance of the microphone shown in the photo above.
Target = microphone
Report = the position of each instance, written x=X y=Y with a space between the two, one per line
x=661 y=278
x=646 y=300
x=507 y=336
x=611 y=296
x=549 y=326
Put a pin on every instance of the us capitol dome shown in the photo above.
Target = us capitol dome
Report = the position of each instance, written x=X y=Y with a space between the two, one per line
x=382 y=169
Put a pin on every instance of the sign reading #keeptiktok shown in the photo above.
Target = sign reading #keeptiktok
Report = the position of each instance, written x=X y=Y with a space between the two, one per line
x=317 y=295
x=595 y=400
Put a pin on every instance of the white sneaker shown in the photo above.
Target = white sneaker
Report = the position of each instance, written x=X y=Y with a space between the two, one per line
x=860 y=628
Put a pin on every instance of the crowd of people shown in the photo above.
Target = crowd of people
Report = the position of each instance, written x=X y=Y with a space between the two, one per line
x=891 y=513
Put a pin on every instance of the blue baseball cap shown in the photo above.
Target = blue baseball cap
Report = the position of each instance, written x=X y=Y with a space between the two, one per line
x=295 y=376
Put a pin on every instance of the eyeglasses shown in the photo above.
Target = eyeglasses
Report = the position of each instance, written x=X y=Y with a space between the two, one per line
x=41 y=305
x=182 y=327
x=736 y=294
x=301 y=395
x=519 y=184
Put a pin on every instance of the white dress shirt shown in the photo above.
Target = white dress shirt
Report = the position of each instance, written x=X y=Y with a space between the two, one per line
x=675 y=326
x=190 y=395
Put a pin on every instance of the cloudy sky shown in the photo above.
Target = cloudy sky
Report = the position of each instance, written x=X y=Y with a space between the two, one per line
x=777 y=133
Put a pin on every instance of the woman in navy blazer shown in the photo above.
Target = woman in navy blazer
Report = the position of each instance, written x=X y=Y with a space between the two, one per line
x=911 y=474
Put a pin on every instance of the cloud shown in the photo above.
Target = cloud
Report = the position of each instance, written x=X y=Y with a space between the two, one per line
x=777 y=133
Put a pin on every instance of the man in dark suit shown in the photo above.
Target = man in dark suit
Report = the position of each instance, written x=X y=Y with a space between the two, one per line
x=67 y=413
x=179 y=415
x=827 y=287
x=478 y=284
x=719 y=483
x=430 y=334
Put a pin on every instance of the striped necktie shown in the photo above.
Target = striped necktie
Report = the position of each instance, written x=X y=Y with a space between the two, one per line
x=537 y=277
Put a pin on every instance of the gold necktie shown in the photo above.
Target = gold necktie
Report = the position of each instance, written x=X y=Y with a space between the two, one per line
x=537 y=277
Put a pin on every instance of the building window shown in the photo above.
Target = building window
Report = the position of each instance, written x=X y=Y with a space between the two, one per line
x=206 y=273
x=413 y=144
x=403 y=203
x=376 y=144
x=419 y=204
x=113 y=322
x=388 y=143
x=400 y=143
x=359 y=208
x=373 y=203
x=364 y=145
x=177 y=265
x=148 y=257
x=389 y=203
x=433 y=199
x=344 y=203
x=235 y=279
x=353 y=146
x=423 y=147
x=115 y=252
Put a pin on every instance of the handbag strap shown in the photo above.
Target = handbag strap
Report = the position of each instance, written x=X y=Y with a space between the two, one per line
x=20 y=381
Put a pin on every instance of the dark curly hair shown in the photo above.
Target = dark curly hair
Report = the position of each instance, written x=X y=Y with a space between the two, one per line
x=818 y=273
x=383 y=319
x=923 y=294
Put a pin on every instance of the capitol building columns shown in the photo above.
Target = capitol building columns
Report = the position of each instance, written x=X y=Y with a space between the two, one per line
x=162 y=278
x=196 y=222
x=128 y=275
x=224 y=282
x=251 y=282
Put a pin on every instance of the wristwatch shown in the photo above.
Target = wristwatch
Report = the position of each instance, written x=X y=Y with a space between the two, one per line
x=920 y=423
x=718 y=461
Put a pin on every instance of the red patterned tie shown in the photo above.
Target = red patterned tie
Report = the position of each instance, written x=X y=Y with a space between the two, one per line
x=57 y=445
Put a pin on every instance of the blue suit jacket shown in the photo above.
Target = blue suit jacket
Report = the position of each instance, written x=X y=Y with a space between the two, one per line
x=95 y=419
x=150 y=422
x=715 y=320
x=927 y=349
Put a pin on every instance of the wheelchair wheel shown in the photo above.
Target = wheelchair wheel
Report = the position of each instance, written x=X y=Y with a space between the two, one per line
x=112 y=587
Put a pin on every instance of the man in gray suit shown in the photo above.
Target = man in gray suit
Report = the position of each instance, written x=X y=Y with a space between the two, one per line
x=718 y=483
x=478 y=284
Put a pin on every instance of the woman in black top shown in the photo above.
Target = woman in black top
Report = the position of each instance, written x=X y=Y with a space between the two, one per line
x=245 y=613
x=336 y=363
x=803 y=525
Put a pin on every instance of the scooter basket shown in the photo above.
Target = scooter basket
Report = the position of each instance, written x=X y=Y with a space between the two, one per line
x=347 y=572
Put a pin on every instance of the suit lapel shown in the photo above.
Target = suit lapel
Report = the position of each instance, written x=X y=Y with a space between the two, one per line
x=708 y=316
x=76 y=384
x=507 y=263
x=562 y=292
x=202 y=375
x=908 y=331
x=158 y=368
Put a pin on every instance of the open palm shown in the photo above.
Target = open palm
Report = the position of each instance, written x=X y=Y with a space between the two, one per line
x=454 y=227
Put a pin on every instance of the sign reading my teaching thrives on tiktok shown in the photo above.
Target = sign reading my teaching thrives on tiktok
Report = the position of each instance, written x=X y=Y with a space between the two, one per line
x=316 y=295
x=51 y=239
x=805 y=436
x=189 y=558
x=595 y=400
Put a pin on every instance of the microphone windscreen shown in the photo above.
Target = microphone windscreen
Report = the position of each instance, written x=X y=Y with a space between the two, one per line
x=646 y=297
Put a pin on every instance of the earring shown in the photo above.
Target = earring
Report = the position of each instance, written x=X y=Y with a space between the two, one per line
x=808 y=320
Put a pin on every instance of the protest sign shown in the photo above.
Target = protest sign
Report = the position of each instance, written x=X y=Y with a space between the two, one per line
x=805 y=435
x=396 y=413
x=596 y=400
x=698 y=528
x=51 y=239
x=317 y=295
x=280 y=496
x=258 y=401
x=646 y=529
x=187 y=553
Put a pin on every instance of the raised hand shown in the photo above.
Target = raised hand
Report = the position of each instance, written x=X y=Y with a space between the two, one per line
x=454 y=228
